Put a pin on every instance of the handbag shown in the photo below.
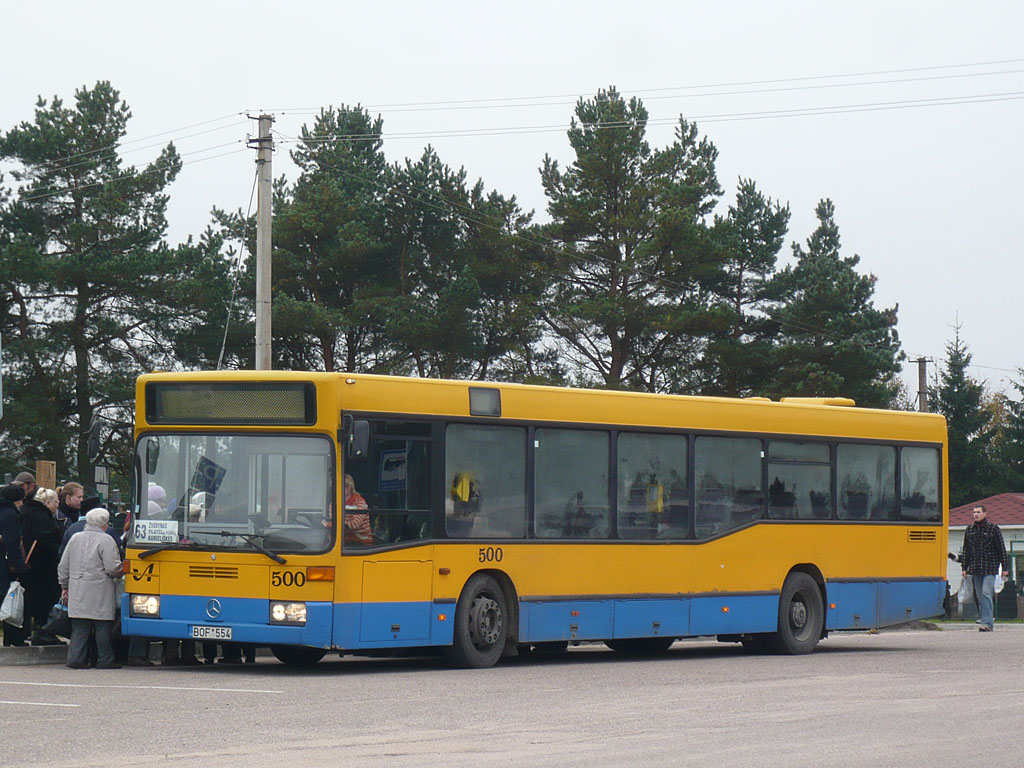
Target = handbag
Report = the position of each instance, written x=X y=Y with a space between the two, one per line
x=58 y=622
x=12 y=610
x=966 y=592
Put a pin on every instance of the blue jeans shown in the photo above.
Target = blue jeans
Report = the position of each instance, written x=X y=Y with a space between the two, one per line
x=984 y=592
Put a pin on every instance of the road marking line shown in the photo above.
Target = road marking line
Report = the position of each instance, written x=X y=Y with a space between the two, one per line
x=140 y=687
x=38 y=704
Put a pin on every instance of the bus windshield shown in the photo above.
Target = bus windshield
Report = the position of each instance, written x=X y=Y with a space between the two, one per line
x=232 y=491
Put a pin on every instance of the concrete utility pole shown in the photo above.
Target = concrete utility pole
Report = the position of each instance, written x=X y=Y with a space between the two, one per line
x=922 y=384
x=264 y=199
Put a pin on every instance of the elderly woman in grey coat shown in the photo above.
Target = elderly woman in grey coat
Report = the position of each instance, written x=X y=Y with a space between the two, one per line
x=87 y=570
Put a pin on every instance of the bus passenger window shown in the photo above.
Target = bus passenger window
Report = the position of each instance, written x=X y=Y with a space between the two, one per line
x=571 y=497
x=729 y=492
x=652 y=486
x=867 y=482
x=799 y=481
x=919 y=485
x=485 y=471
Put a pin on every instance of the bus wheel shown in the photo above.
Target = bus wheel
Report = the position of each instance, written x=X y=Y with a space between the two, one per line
x=297 y=655
x=641 y=646
x=481 y=624
x=801 y=615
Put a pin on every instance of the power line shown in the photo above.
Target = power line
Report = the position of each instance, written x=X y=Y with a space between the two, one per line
x=734 y=84
x=114 y=154
x=119 y=143
x=704 y=119
x=156 y=169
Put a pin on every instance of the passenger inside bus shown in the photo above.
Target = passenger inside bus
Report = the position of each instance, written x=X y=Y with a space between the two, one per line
x=465 y=505
x=357 y=519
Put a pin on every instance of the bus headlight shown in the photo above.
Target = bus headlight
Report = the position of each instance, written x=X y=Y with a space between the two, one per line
x=287 y=613
x=145 y=606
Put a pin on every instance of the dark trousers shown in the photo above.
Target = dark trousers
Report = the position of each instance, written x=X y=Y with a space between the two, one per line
x=81 y=629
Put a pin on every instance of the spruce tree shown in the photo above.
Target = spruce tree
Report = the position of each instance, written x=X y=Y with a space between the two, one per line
x=739 y=362
x=833 y=341
x=958 y=397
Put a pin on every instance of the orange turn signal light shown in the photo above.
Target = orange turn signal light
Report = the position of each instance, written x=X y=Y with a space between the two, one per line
x=442 y=617
x=126 y=567
x=320 y=573
x=832 y=606
x=725 y=609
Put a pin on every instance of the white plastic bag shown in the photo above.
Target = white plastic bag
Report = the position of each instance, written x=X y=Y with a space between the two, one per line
x=1000 y=582
x=13 y=608
x=966 y=592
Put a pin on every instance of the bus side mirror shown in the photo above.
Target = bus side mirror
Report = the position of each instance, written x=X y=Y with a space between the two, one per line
x=355 y=435
x=152 y=455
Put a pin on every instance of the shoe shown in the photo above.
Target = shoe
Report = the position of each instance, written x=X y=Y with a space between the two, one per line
x=19 y=644
x=984 y=628
x=978 y=621
x=230 y=660
x=108 y=666
x=77 y=666
x=137 y=661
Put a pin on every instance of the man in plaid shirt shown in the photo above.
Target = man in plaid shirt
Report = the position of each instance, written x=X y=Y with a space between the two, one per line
x=983 y=554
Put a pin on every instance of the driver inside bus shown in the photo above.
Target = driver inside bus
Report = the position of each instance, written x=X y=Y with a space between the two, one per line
x=357 y=520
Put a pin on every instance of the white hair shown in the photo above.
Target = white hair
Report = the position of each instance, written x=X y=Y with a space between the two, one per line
x=98 y=517
x=46 y=495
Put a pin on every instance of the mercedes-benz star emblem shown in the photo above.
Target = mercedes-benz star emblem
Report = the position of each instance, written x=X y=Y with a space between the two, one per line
x=213 y=608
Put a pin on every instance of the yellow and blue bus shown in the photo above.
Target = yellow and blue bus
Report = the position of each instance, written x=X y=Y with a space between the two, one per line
x=361 y=514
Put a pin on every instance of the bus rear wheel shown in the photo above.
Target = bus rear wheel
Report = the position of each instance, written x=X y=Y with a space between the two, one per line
x=640 y=646
x=801 y=615
x=297 y=655
x=481 y=624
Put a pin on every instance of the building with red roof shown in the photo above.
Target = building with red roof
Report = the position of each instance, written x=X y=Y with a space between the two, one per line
x=1005 y=510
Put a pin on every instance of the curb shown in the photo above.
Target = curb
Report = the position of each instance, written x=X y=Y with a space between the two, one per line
x=42 y=654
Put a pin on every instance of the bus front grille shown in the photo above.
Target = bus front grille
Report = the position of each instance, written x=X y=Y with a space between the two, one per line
x=213 y=572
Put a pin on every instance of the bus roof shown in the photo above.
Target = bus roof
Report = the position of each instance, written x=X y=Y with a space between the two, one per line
x=442 y=397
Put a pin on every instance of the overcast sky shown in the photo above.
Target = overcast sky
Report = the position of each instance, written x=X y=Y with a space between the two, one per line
x=928 y=196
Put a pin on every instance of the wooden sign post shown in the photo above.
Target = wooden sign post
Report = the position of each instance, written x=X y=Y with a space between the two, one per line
x=46 y=474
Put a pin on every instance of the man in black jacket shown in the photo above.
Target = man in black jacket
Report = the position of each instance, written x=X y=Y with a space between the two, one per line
x=983 y=555
x=12 y=560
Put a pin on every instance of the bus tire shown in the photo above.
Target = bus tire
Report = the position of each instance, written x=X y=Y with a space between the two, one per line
x=297 y=655
x=801 y=615
x=640 y=646
x=481 y=624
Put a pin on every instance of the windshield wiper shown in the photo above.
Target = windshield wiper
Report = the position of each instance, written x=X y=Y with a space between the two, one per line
x=249 y=538
x=171 y=545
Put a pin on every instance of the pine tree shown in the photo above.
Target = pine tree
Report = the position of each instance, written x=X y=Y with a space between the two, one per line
x=629 y=299
x=87 y=277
